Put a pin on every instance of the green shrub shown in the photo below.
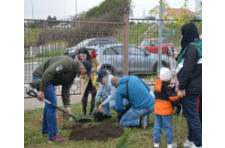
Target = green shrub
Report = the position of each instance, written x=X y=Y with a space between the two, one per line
x=31 y=25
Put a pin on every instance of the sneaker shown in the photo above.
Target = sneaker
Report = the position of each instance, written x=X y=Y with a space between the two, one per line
x=84 y=114
x=107 y=117
x=144 y=122
x=171 y=145
x=156 y=144
x=57 y=138
x=188 y=143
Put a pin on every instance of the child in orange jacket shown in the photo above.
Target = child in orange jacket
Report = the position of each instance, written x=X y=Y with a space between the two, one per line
x=164 y=94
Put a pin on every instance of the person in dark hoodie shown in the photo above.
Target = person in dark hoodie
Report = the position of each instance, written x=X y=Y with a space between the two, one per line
x=141 y=101
x=189 y=81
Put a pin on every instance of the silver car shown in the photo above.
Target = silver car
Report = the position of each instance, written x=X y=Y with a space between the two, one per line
x=140 y=61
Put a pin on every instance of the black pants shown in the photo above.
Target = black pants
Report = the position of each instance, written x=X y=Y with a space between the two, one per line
x=189 y=105
x=85 y=97
x=200 y=107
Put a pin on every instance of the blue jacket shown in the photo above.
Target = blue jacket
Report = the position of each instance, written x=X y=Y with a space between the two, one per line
x=107 y=90
x=139 y=93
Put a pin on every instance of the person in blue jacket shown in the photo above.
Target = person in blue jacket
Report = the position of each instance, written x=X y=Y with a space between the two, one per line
x=141 y=101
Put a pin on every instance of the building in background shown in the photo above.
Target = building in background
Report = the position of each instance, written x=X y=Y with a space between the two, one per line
x=198 y=5
x=171 y=13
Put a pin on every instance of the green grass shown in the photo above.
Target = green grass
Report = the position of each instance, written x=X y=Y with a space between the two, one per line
x=42 y=57
x=133 y=138
x=171 y=32
x=50 y=53
x=32 y=35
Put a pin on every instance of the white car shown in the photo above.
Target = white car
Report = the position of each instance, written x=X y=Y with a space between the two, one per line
x=146 y=20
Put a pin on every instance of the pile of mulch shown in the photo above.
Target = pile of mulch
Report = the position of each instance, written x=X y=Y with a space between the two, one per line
x=97 y=133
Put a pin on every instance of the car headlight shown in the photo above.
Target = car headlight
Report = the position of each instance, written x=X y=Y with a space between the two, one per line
x=71 y=51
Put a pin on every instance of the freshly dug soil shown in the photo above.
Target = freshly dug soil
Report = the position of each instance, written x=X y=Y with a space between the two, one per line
x=98 y=133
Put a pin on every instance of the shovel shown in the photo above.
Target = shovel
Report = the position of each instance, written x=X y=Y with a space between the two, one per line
x=82 y=120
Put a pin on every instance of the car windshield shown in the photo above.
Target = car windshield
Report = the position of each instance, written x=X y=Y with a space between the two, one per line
x=83 y=43
x=145 y=43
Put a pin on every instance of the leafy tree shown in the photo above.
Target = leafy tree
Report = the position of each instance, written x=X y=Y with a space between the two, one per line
x=31 y=25
x=109 y=10
x=180 y=19
x=50 y=23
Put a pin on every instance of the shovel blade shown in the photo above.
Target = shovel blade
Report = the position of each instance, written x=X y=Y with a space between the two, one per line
x=84 y=120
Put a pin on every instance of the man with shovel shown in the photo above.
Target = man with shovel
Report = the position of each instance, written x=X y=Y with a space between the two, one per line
x=59 y=70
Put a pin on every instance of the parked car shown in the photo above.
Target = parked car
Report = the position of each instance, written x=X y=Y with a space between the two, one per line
x=62 y=25
x=151 y=45
x=72 y=51
x=146 y=20
x=140 y=61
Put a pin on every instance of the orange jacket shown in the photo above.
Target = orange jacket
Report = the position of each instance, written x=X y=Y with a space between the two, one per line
x=164 y=94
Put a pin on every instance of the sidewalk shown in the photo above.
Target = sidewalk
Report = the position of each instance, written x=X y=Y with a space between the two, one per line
x=33 y=103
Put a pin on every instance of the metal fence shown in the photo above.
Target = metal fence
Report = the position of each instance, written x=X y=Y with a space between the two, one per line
x=128 y=47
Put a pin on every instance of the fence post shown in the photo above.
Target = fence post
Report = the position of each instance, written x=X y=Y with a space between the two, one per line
x=126 y=41
x=160 y=38
x=31 y=52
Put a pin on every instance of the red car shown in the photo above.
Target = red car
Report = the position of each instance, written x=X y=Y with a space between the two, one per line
x=151 y=45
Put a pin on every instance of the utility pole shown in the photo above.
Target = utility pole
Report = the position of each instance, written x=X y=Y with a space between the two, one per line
x=196 y=6
x=32 y=8
x=75 y=8
x=64 y=14
x=160 y=38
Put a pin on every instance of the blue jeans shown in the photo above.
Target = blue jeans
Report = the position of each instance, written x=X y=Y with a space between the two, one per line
x=106 y=108
x=132 y=116
x=189 y=104
x=112 y=104
x=164 y=122
x=49 y=123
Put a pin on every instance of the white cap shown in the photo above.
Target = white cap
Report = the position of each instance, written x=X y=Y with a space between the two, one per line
x=165 y=73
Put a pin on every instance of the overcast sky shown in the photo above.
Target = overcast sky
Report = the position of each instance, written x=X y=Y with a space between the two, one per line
x=61 y=8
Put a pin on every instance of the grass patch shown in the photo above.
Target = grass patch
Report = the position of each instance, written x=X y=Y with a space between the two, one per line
x=50 y=53
x=132 y=138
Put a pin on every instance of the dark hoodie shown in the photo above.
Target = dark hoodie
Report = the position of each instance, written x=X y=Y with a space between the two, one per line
x=189 y=73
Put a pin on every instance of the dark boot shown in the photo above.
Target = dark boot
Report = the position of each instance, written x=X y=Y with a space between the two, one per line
x=91 y=113
x=84 y=114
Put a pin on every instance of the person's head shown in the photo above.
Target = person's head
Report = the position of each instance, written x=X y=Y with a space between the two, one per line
x=102 y=77
x=85 y=67
x=189 y=33
x=83 y=54
x=165 y=74
x=115 y=81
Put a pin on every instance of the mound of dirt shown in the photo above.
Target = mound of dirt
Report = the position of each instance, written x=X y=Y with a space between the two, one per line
x=98 y=133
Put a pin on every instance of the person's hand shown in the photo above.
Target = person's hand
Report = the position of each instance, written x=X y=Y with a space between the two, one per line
x=96 y=70
x=41 y=95
x=181 y=93
x=68 y=110
x=175 y=54
x=100 y=108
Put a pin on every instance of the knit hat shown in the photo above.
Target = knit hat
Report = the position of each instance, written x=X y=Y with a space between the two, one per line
x=165 y=73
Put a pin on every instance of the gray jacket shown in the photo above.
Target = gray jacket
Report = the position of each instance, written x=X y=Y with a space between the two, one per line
x=108 y=91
